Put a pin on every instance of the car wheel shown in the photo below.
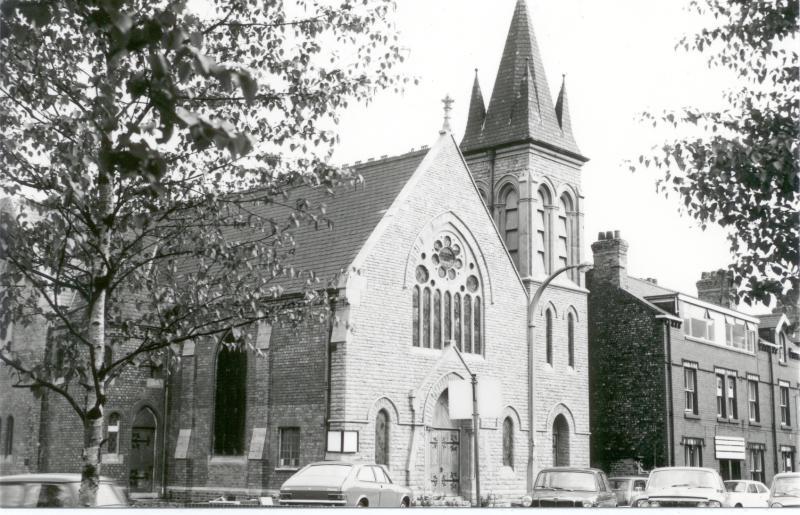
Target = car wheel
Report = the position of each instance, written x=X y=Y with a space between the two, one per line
x=363 y=503
x=738 y=505
x=404 y=503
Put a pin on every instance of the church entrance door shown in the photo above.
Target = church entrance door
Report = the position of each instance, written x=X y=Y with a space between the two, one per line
x=143 y=447
x=444 y=451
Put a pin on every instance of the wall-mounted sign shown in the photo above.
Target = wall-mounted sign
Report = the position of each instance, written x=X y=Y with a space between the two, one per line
x=182 y=448
x=342 y=441
x=257 y=443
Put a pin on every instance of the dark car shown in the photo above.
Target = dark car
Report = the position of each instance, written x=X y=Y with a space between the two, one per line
x=570 y=487
x=627 y=488
x=339 y=483
x=55 y=491
x=683 y=487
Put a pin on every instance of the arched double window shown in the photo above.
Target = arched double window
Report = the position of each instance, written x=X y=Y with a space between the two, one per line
x=543 y=230
x=509 y=222
x=447 y=298
x=571 y=340
x=548 y=335
x=230 y=401
x=508 y=442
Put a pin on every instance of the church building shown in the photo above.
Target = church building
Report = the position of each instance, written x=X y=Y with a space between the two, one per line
x=438 y=254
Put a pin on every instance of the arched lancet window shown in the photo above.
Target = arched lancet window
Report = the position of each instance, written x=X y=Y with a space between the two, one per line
x=548 y=335
x=782 y=354
x=571 y=340
x=8 y=445
x=560 y=442
x=112 y=436
x=230 y=401
x=108 y=357
x=543 y=231
x=382 y=438
x=564 y=231
x=508 y=443
x=510 y=222
x=446 y=301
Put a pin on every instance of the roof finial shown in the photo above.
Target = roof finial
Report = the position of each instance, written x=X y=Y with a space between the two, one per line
x=448 y=106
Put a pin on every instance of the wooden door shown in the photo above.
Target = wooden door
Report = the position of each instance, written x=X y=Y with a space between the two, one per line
x=444 y=462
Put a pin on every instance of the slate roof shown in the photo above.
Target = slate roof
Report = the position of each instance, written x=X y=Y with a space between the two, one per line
x=475 y=117
x=769 y=320
x=354 y=213
x=521 y=108
x=642 y=288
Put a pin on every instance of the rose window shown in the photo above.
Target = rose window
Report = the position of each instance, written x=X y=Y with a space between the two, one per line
x=447 y=298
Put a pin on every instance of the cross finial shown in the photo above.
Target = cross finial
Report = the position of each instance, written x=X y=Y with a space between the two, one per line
x=448 y=103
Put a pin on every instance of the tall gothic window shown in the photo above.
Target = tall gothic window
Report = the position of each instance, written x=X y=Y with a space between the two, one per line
x=571 y=340
x=508 y=443
x=510 y=222
x=446 y=301
x=548 y=334
x=543 y=231
x=230 y=401
x=562 y=245
x=382 y=438
x=112 y=437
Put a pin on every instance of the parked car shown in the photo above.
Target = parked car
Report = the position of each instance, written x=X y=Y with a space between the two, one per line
x=683 y=487
x=55 y=491
x=747 y=494
x=627 y=488
x=785 y=491
x=339 y=483
x=570 y=487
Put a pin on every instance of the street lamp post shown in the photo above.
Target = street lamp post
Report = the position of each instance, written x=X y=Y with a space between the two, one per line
x=532 y=364
x=475 y=426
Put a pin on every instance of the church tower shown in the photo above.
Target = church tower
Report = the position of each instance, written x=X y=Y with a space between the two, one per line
x=527 y=165
x=525 y=160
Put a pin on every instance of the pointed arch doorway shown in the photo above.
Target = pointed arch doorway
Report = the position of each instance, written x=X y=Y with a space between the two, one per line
x=143 y=451
x=444 y=451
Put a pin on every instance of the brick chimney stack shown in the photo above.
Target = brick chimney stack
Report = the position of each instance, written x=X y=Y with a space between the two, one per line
x=717 y=287
x=610 y=259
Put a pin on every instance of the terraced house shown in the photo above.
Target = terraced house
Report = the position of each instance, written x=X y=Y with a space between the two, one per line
x=684 y=380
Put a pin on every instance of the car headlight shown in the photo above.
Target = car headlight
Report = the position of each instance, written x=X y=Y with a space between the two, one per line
x=713 y=504
x=527 y=500
x=588 y=504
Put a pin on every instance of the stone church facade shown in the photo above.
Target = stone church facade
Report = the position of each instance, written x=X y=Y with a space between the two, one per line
x=438 y=252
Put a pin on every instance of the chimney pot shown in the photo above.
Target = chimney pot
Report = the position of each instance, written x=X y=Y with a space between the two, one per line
x=616 y=235
x=601 y=235
x=609 y=235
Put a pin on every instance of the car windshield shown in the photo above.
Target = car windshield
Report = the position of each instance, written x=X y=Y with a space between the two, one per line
x=785 y=486
x=316 y=475
x=735 y=486
x=619 y=484
x=682 y=478
x=566 y=480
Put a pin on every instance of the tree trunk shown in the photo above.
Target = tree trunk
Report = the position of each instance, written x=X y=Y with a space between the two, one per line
x=95 y=399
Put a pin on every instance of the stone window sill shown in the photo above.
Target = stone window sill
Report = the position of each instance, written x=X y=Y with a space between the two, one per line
x=287 y=469
x=227 y=460
x=728 y=420
x=690 y=415
x=754 y=423
x=784 y=427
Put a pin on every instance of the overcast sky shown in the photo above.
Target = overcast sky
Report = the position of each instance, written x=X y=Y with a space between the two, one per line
x=619 y=58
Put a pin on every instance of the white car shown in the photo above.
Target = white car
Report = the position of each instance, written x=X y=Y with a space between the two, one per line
x=785 y=491
x=747 y=494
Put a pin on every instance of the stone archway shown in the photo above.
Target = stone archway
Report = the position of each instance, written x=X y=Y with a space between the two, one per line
x=560 y=441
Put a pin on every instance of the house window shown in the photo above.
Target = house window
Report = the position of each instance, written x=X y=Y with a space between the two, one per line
x=787 y=458
x=508 y=443
x=752 y=400
x=446 y=301
x=699 y=326
x=548 y=324
x=726 y=395
x=289 y=446
x=735 y=335
x=693 y=452
x=782 y=348
x=510 y=223
x=757 y=462
x=690 y=387
x=543 y=231
x=730 y=469
x=786 y=419
x=8 y=444
x=112 y=438
x=230 y=401
x=571 y=340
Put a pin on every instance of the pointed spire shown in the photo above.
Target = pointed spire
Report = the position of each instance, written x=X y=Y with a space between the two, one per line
x=562 y=113
x=521 y=64
x=475 y=116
